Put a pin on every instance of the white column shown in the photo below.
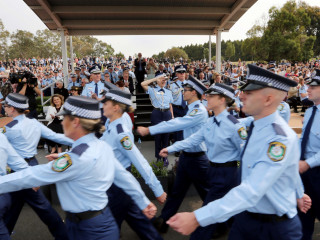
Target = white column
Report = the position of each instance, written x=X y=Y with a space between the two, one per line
x=209 y=51
x=64 y=57
x=218 y=51
x=71 y=54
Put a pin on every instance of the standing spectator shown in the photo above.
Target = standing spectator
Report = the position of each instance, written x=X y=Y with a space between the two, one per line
x=151 y=68
x=128 y=81
x=139 y=71
x=54 y=122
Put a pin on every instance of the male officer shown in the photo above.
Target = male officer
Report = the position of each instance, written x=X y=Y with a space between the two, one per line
x=73 y=82
x=309 y=165
x=284 y=110
x=193 y=162
x=113 y=74
x=179 y=105
x=267 y=196
x=45 y=82
x=82 y=72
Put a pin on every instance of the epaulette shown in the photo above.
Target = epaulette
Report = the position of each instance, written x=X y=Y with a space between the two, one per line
x=11 y=124
x=119 y=128
x=279 y=131
x=196 y=106
x=80 y=149
x=233 y=119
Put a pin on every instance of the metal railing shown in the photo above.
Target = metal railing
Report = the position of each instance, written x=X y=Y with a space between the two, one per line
x=42 y=89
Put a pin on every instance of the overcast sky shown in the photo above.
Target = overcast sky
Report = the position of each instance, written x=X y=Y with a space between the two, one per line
x=15 y=14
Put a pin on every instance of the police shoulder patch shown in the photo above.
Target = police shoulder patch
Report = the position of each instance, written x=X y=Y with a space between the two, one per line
x=62 y=163
x=280 y=107
x=3 y=130
x=193 y=112
x=126 y=143
x=276 y=151
x=242 y=133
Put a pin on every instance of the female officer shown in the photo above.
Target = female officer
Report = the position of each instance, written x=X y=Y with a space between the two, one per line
x=83 y=175
x=224 y=135
x=8 y=157
x=119 y=136
x=161 y=100
x=24 y=134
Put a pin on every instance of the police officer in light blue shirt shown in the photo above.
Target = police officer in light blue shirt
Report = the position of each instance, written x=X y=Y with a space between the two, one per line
x=46 y=82
x=267 y=196
x=83 y=175
x=193 y=162
x=113 y=75
x=73 y=82
x=24 y=135
x=121 y=139
x=161 y=100
x=8 y=157
x=309 y=165
x=284 y=110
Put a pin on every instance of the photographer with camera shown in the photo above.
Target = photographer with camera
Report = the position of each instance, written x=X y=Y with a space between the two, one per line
x=29 y=88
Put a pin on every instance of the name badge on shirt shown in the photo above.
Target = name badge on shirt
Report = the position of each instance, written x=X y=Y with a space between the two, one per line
x=62 y=163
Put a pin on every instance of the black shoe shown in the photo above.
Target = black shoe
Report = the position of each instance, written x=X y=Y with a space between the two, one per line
x=160 y=225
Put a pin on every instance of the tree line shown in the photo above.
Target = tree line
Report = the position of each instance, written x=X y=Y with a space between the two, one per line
x=292 y=32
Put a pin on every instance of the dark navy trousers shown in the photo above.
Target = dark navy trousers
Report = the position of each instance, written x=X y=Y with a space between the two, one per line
x=38 y=202
x=102 y=227
x=178 y=112
x=221 y=181
x=160 y=140
x=124 y=208
x=245 y=227
x=190 y=170
x=5 y=202
x=311 y=182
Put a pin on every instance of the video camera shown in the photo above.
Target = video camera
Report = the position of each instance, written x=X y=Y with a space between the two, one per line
x=18 y=77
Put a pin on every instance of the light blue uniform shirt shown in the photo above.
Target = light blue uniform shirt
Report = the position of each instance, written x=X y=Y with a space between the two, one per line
x=8 y=156
x=177 y=92
x=196 y=116
x=160 y=99
x=81 y=186
x=126 y=121
x=284 y=110
x=46 y=82
x=90 y=88
x=312 y=151
x=121 y=139
x=1 y=96
x=270 y=175
x=76 y=84
x=224 y=139
x=303 y=89
x=24 y=135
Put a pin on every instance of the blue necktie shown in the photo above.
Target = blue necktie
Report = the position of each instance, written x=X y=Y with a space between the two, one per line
x=215 y=121
x=73 y=84
x=307 y=133
x=96 y=89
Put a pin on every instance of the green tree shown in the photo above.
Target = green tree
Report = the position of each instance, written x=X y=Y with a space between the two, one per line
x=313 y=29
x=230 y=50
x=22 y=45
x=4 y=37
x=176 y=53
x=119 y=55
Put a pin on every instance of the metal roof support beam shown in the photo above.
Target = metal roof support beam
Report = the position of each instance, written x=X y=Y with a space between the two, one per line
x=235 y=8
x=46 y=6
x=71 y=54
x=218 y=50
x=64 y=57
x=141 y=9
x=132 y=31
x=209 y=51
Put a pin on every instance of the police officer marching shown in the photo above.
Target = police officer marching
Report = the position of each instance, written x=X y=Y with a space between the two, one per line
x=83 y=175
x=161 y=100
x=309 y=164
x=193 y=162
x=119 y=136
x=270 y=185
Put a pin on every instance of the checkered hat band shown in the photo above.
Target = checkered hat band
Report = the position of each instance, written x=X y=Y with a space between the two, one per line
x=17 y=105
x=271 y=82
x=316 y=77
x=223 y=91
x=198 y=89
x=80 y=112
x=119 y=99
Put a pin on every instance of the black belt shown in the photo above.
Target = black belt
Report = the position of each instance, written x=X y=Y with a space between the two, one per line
x=29 y=159
x=77 y=217
x=227 y=164
x=162 y=109
x=177 y=106
x=193 y=154
x=267 y=217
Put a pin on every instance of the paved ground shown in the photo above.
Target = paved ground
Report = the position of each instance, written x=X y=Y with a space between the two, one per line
x=29 y=227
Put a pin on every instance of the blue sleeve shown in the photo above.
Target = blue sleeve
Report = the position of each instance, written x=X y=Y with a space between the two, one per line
x=130 y=185
x=191 y=141
x=55 y=137
x=85 y=91
x=130 y=150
